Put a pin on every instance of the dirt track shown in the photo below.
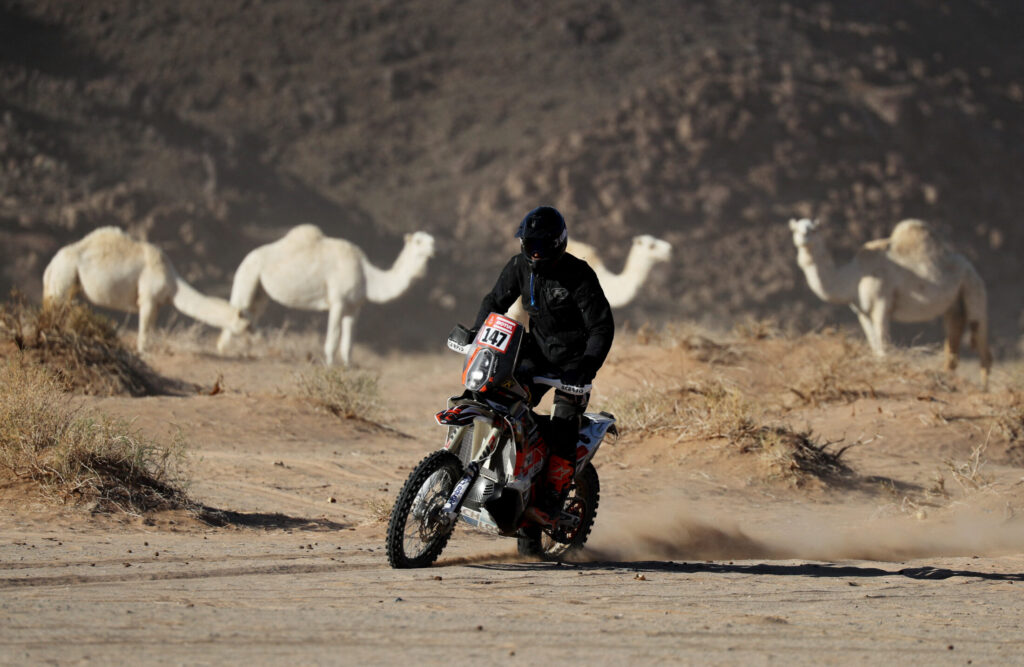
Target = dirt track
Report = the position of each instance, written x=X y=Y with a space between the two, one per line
x=260 y=597
x=295 y=578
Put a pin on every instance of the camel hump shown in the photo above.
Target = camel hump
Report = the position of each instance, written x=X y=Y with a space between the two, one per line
x=111 y=244
x=303 y=235
x=914 y=238
x=110 y=237
x=915 y=245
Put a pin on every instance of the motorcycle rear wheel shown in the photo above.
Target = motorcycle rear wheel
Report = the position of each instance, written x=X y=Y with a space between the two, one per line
x=415 y=536
x=582 y=501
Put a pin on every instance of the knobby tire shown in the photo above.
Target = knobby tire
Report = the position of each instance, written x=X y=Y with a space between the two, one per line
x=397 y=556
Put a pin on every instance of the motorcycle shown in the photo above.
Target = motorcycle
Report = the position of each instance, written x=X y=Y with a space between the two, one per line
x=493 y=457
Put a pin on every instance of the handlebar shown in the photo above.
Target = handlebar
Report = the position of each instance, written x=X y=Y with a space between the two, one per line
x=574 y=389
x=461 y=340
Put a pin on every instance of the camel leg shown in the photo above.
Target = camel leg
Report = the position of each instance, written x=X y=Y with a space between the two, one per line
x=869 y=331
x=979 y=341
x=976 y=312
x=347 y=326
x=953 y=321
x=334 y=319
x=147 y=320
x=881 y=317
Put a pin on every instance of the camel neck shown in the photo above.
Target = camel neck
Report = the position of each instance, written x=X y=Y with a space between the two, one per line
x=823 y=277
x=383 y=285
x=621 y=288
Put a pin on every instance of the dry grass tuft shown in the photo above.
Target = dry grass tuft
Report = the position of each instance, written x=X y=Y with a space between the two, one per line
x=79 y=345
x=794 y=457
x=76 y=457
x=346 y=393
x=1010 y=423
x=708 y=410
x=754 y=329
x=380 y=509
x=696 y=341
x=968 y=473
x=840 y=370
x=713 y=410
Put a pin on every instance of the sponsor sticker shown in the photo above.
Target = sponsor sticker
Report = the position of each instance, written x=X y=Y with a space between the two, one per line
x=502 y=323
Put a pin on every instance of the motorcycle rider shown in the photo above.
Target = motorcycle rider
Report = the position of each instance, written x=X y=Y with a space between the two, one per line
x=571 y=331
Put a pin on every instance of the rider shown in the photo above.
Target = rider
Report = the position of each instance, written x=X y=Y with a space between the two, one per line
x=571 y=331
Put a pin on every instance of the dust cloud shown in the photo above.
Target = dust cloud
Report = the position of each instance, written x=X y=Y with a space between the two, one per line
x=682 y=535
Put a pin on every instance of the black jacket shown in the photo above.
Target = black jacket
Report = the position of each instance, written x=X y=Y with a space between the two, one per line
x=570 y=318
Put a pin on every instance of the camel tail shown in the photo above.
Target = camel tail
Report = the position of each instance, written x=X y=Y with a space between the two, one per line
x=210 y=310
x=60 y=279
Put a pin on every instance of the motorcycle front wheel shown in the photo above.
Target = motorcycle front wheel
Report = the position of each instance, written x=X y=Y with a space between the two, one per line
x=558 y=542
x=416 y=535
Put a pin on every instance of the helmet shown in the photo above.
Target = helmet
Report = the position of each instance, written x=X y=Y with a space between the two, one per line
x=543 y=236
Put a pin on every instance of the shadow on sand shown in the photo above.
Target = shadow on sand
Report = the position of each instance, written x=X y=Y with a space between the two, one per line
x=266 y=520
x=798 y=570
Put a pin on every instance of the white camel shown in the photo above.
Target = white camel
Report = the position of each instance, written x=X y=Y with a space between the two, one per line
x=307 y=270
x=115 y=271
x=909 y=277
x=619 y=288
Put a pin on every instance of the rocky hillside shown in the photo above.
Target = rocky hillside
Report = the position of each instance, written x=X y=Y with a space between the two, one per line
x=211 y=127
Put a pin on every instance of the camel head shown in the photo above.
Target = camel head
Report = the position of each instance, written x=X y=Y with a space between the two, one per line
x=419 y=244
x=803 y=231
x=654 y=249
x=419 y=247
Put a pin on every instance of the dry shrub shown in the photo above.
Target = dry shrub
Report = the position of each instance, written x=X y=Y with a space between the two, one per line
x=180 y=335
x=287 y=341
x=711 y=352
x=380 y=509
x=713 y=410
x=708 y=410
x=698 y=342
x=839 y=370
x=968 y=473
x=343 y=392
x=755 y=329
x=793 y=456
x=73 y=456
x=840 y=367
x=77 y=344
x=1010 y=423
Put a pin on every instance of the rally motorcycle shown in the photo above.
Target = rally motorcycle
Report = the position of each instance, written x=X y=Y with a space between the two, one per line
x=493 y=457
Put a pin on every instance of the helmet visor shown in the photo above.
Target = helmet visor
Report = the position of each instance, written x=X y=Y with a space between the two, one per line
x=541 y=249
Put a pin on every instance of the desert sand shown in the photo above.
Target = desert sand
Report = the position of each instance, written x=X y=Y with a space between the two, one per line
x=698 y=554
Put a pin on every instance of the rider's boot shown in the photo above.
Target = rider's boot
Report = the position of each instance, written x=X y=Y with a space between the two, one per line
x=551 y=497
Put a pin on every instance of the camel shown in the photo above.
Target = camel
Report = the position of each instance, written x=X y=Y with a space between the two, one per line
x=115 y=271
x=909 y=277
x=619 y=288
x=307 y=270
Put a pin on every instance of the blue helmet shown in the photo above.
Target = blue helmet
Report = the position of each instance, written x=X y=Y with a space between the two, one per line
x=543 y=236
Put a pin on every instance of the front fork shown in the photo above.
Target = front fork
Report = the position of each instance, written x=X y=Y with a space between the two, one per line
x=450 y=512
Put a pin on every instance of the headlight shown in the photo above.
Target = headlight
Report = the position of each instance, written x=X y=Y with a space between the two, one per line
x=479 y=370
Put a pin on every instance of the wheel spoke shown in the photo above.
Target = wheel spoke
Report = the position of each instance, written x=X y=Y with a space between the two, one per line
x=421 y=525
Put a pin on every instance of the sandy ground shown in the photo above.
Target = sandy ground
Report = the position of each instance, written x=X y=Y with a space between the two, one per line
x=694 y=557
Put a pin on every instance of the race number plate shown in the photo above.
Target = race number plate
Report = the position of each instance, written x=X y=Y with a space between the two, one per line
x=497 y=332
